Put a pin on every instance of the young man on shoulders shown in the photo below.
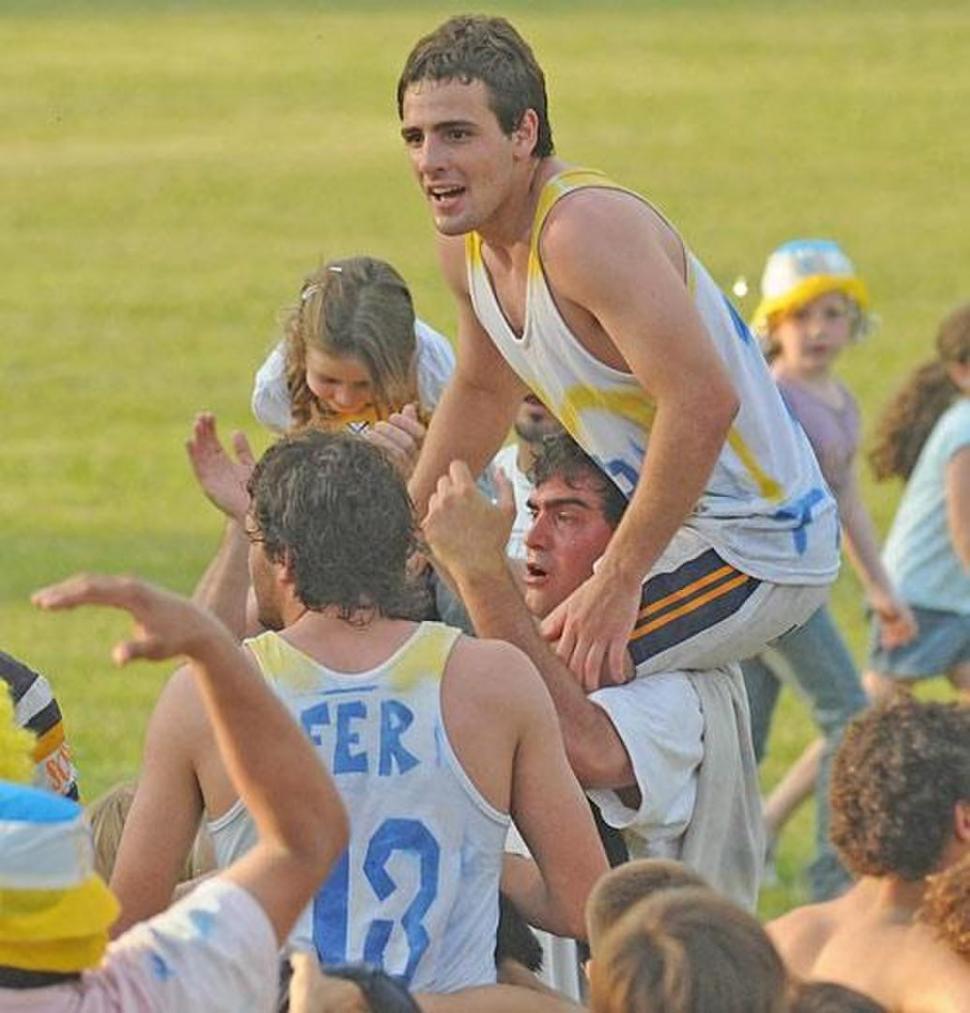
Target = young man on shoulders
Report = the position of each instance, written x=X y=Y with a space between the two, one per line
x=577 y=289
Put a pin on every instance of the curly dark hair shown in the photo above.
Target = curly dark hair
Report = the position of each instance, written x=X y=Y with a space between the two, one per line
x=899 y=773
x=336 y=510
x=470 y=48
x=560 y=456
x=909 y=418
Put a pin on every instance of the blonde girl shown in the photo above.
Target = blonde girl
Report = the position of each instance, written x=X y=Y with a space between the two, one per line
x=354 y=355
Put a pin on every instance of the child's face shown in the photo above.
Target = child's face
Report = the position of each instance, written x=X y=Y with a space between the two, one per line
x=340 y=383
x=810 y=337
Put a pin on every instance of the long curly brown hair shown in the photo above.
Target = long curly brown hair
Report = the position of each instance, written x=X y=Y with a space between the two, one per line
x=911 y=415
x=359 y=307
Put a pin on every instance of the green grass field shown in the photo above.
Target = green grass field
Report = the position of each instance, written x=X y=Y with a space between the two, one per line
x=168 y=173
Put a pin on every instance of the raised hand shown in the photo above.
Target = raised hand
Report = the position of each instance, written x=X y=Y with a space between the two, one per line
x=466 y=531
x=223 y=480
x=166 y=624
x=400 y=436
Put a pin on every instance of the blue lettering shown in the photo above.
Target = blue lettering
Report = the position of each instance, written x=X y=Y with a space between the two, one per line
x=313 y=720
x=395 y=720
x=330 y=914
x=411 y=837
x=344 y=761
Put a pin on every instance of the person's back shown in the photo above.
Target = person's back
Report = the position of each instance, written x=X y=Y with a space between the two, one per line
x=837 y=941
x=900 y=812
x=417 y=891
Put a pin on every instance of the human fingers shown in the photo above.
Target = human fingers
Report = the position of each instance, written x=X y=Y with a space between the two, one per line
x=505 y=494
x=592 y=665
x=551 y=628
x=87 y=589
x=408 y=422
x=244 y=453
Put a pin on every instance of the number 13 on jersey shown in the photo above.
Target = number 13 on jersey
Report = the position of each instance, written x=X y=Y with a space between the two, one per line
x=331 y=906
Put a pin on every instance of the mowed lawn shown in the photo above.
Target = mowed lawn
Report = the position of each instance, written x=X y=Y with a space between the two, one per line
x=168 y=174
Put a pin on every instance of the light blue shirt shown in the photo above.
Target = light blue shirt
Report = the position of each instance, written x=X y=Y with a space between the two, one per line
x=919 y=553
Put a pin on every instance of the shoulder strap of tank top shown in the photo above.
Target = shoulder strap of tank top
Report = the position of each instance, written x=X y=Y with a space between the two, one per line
x=426 y=656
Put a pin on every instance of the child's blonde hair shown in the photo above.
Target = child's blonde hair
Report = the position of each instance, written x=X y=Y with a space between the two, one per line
x=359 y=307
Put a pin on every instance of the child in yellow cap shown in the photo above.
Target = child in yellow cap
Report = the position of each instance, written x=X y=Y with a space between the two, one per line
x=813 y=305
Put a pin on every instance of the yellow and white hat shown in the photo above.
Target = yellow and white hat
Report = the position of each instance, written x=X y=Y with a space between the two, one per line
x=55 y=910
x=802 y=270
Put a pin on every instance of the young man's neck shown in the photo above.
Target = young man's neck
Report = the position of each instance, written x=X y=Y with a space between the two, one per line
x=510 y=228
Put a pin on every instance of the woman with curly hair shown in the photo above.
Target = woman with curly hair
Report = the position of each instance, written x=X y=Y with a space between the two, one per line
x=924 y=438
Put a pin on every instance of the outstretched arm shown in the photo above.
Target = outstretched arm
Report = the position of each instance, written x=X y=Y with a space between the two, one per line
x=467 y=534
x=294 y=804
x=897 y=625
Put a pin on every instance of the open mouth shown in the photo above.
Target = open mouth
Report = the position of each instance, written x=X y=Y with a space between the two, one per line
x=440 y=194
x=534 y=572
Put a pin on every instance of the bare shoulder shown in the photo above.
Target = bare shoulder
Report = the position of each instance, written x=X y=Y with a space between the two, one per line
x=937 y=978
x=594 y=223
x=179 y=722
x=800 y=935
x=496 y=673
x=451 y=256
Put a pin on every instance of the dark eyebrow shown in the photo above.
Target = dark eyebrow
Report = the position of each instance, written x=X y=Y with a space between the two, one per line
x=439 y=127
x=554 y=504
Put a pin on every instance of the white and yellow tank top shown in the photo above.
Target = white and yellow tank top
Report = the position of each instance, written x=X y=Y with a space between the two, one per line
x=766 y=509
x=416 y=891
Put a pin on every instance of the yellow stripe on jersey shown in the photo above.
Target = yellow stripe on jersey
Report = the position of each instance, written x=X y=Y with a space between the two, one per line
x=282 y=663
x=49 y=742
x=690 y=606
x=634 y=405
x=426 y=657
x=767 y=486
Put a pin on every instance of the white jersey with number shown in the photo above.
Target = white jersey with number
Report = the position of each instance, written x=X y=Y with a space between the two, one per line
x=766 y=509
x=416 y=892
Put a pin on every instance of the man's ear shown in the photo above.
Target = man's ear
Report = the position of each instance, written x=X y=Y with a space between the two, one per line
x=526 y=134
x=285 y=570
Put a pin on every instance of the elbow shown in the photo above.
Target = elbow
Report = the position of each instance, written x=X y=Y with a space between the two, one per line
x=599 y=765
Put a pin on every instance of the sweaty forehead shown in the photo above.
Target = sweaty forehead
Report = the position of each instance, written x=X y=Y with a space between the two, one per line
x=584 y=493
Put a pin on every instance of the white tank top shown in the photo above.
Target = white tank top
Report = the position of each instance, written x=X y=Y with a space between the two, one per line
x=766 y=509
x=416 y=892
